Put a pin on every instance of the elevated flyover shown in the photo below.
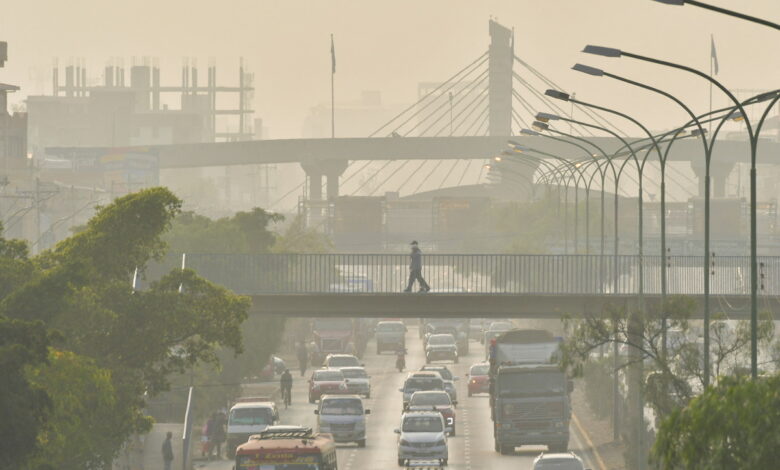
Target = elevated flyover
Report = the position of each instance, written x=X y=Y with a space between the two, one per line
x=480 y=285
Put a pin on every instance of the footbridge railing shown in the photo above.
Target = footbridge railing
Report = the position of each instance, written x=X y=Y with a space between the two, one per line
x=479 y=273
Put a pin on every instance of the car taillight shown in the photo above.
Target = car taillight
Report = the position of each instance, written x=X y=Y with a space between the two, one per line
x=474 y=381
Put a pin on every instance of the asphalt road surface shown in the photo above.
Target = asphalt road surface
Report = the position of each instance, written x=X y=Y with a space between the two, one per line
x=470 y=449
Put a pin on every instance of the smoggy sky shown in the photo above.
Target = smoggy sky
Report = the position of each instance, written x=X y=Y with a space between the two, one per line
x=392 y=45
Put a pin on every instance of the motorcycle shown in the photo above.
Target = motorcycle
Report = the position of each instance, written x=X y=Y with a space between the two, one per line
x=400 y=361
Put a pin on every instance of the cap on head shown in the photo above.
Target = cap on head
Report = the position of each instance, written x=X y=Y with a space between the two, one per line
x=169 y=434
x=414 y=243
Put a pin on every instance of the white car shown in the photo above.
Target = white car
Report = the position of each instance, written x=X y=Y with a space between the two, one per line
x=358 y=381
x=441 y=346
x=337 y=361
x=422 y=436
x=343 y=416
x=449 y=379
x=558 y=461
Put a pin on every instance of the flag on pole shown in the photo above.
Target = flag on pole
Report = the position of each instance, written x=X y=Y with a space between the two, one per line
x=332 y=56
x=713 y=55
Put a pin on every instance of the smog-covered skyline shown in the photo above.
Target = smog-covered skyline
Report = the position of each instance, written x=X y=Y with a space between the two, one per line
x=391 y=47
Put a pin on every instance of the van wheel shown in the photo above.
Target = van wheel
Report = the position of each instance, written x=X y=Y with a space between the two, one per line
x=311 y=400
x=361 y=443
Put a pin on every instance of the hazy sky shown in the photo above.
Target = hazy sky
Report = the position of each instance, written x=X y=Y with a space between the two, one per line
x=392 y=45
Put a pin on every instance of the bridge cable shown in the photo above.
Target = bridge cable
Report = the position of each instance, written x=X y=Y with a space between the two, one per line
x=452 y=168
x=368 y=180
x=479 y=60
x=463 y=93
x=386 y=180
x=435 y=167
x=463 y=109
x=465 y=170
x=549 y=82
x=409 y=179
x=478 y=105
x=437 y=109
x=479 y=120
x=549 y=102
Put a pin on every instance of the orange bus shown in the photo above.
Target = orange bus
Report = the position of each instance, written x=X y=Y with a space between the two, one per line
x=287 y=448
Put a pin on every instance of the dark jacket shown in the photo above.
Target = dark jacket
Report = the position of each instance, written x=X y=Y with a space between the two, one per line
x=286 y=379
x=167 y=450
x=416 y=259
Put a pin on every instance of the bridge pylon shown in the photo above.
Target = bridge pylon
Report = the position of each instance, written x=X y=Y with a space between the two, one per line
x=500 y=62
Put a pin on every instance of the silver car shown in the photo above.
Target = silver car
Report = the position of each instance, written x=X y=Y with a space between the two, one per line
x=558 y=461
x=358 y=381
x=343 y=416
x=422 y=436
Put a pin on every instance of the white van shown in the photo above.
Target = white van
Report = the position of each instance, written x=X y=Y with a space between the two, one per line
x=247 y=418
x=344 y=417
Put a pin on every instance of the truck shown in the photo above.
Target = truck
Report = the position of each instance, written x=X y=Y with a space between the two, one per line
x=457 y=327
x=529 y=392
x=332 y=336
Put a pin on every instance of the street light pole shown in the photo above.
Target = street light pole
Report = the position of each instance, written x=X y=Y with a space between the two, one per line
x=724 y=11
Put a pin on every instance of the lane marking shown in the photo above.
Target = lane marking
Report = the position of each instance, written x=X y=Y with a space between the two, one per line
x=588 y=441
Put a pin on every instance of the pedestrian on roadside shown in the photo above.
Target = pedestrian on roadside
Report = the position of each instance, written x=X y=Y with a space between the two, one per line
x=204 y=440
x=415 y=270
x=167 y=451
x=220 y=421
x=303 y=356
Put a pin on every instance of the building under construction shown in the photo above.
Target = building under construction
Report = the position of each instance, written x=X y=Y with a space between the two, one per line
x=125 y=107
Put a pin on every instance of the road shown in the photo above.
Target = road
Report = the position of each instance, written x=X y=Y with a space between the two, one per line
x=470 y=449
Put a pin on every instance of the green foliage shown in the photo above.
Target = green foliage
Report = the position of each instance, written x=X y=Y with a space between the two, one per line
x=118 y=346
x=24 y=406
x=734 y=425
x=78 y=433
x=598 y=377
x=297 y=238
x=245 y=232
x=15 y=266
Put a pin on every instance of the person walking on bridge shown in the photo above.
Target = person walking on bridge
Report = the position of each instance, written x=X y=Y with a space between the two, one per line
x=415 y=270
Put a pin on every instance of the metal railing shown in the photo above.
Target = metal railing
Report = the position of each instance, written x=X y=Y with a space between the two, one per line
x=470 y=273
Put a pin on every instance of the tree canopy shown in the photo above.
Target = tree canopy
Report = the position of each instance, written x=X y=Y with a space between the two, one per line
x=113 y=346
x=734 y=425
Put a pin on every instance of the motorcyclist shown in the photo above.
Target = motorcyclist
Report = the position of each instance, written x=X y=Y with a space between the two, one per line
x=400 y=361
x=285 y=383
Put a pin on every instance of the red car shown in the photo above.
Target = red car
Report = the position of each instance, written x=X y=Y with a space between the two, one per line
x=435 y=400
x=479 y=381
x=326 y=382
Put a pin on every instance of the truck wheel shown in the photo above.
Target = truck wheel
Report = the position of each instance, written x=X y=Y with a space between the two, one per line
x=506 y=450
x=427 y=360
x=361 y=443
x=443 y=462
x=311 y=400
x=453 y=430
x=368 y=395
x=401 y=462
x=496 y=445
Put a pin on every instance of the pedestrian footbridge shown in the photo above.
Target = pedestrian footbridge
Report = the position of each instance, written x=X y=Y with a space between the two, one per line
x=481 y=285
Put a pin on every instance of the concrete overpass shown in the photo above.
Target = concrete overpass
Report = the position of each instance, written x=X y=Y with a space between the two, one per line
x=531 y=306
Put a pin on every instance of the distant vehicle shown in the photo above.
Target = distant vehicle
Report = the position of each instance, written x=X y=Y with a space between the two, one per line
x=457 y=327
x=337 y=361
x=479 y=381
x=441 y=347
x=561 y=461
x=343 y=416
x=326 y=381
x=529 y=394
x=422 y=436
x=287 y=448
x=390 y=335
x=476 y=330
x=246 y=419
x=446 y=375
x=421 y=381
x=435 y=401
x=333 y=336
x=274 y=367
x=494 y=329
x=358 y=381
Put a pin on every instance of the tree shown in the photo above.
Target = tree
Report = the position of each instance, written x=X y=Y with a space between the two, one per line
x=24 y=406
x=673 y=371
x=82 y=289
x=733 y=425
x=297 y=238
x=245 y=232
x=77 y=433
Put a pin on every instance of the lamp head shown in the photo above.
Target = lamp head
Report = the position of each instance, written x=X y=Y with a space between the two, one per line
x=672 y=2
x=497 y=158
x=737 y=116
x=602 y=51
x=529 y=131
x=588 y=69
x=507 y=153
x=558 y=95
x=540 y=126
x=698 y=132
x=545 y=117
